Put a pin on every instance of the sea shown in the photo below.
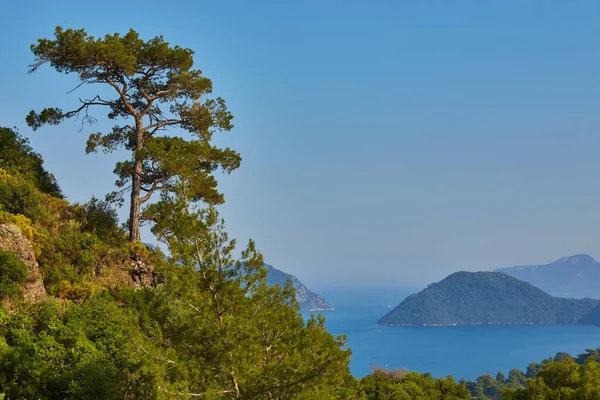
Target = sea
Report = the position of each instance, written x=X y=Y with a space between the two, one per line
x=461 y=351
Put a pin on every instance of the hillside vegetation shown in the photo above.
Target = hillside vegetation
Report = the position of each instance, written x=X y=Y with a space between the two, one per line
x=121 y=320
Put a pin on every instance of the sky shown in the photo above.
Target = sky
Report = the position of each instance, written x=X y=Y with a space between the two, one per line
x=384 y=143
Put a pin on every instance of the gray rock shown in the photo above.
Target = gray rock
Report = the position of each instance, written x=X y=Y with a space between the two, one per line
x=13 y=240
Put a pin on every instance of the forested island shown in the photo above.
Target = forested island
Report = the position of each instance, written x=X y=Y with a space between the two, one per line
x=90 y=312
x=486 y=298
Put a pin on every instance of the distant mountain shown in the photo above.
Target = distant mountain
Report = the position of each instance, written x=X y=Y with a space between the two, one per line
x=309 y=301
x=486 y=298
x=577 y=276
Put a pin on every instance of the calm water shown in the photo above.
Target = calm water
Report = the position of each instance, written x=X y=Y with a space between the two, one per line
x=461 y=351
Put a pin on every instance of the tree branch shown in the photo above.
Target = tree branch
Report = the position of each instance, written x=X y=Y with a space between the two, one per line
x=193 y=394
x=150 y=191
x=152 y=128
x=122 y=93
x=78 y=86
x=169 y=361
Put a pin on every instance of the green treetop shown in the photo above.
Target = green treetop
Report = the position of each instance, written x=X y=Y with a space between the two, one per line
x=154 y=88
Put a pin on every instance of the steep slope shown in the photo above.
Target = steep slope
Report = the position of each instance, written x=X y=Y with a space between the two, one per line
x=577 y=276
x=309 y=301
x=486 y=298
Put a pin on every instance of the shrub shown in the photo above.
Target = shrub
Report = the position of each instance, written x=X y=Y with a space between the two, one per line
x=18 y=196
x=71 y=256
x=101 y=219
x=55 y=213
x=13 y=274
x=77 y=292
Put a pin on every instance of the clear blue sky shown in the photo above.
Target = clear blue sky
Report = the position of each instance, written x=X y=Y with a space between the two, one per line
x=384 y=142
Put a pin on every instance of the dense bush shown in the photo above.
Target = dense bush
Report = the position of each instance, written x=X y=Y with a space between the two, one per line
x=13 y=274
x=564 y=380
x=101 y=219
x=517 y=384
x=73 y=256
x=402 y=385
x=71 y=352
x=77 y=292
x=18 y=196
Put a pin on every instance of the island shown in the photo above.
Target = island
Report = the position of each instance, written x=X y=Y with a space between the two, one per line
x=467 y=298
x=308 y=300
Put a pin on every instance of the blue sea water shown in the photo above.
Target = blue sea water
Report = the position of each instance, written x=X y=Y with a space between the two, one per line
x=460 y=351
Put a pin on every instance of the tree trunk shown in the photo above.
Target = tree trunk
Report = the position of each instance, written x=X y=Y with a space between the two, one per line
x=234 y=382
x=134 y=211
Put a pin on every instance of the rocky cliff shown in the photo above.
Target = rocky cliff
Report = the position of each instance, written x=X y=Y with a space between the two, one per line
x=11 y=239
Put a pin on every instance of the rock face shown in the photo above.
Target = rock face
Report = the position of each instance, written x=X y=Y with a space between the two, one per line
x=309 y=301
x=11 y=239
x=142 y=273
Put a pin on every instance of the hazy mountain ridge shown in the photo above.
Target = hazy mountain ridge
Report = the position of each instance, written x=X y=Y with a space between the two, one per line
x=486 y=298
x=577 y=276
x=309 y=300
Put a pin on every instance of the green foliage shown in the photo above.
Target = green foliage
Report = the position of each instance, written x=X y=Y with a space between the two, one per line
x=487 y=387
x=402 y=385
x=209 y=325
x=100 y=218
x=224 y=318
x=18 y=158
x=73 y=256
x=564 y=380
x=73 y=352
x=77 y=292
x=486 y=298
x=18 y=196
x=516 y=385
x=13 y=274
x=155 y=88
x=589 y=353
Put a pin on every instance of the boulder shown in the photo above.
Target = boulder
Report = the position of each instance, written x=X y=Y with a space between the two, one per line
x=142 y=273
